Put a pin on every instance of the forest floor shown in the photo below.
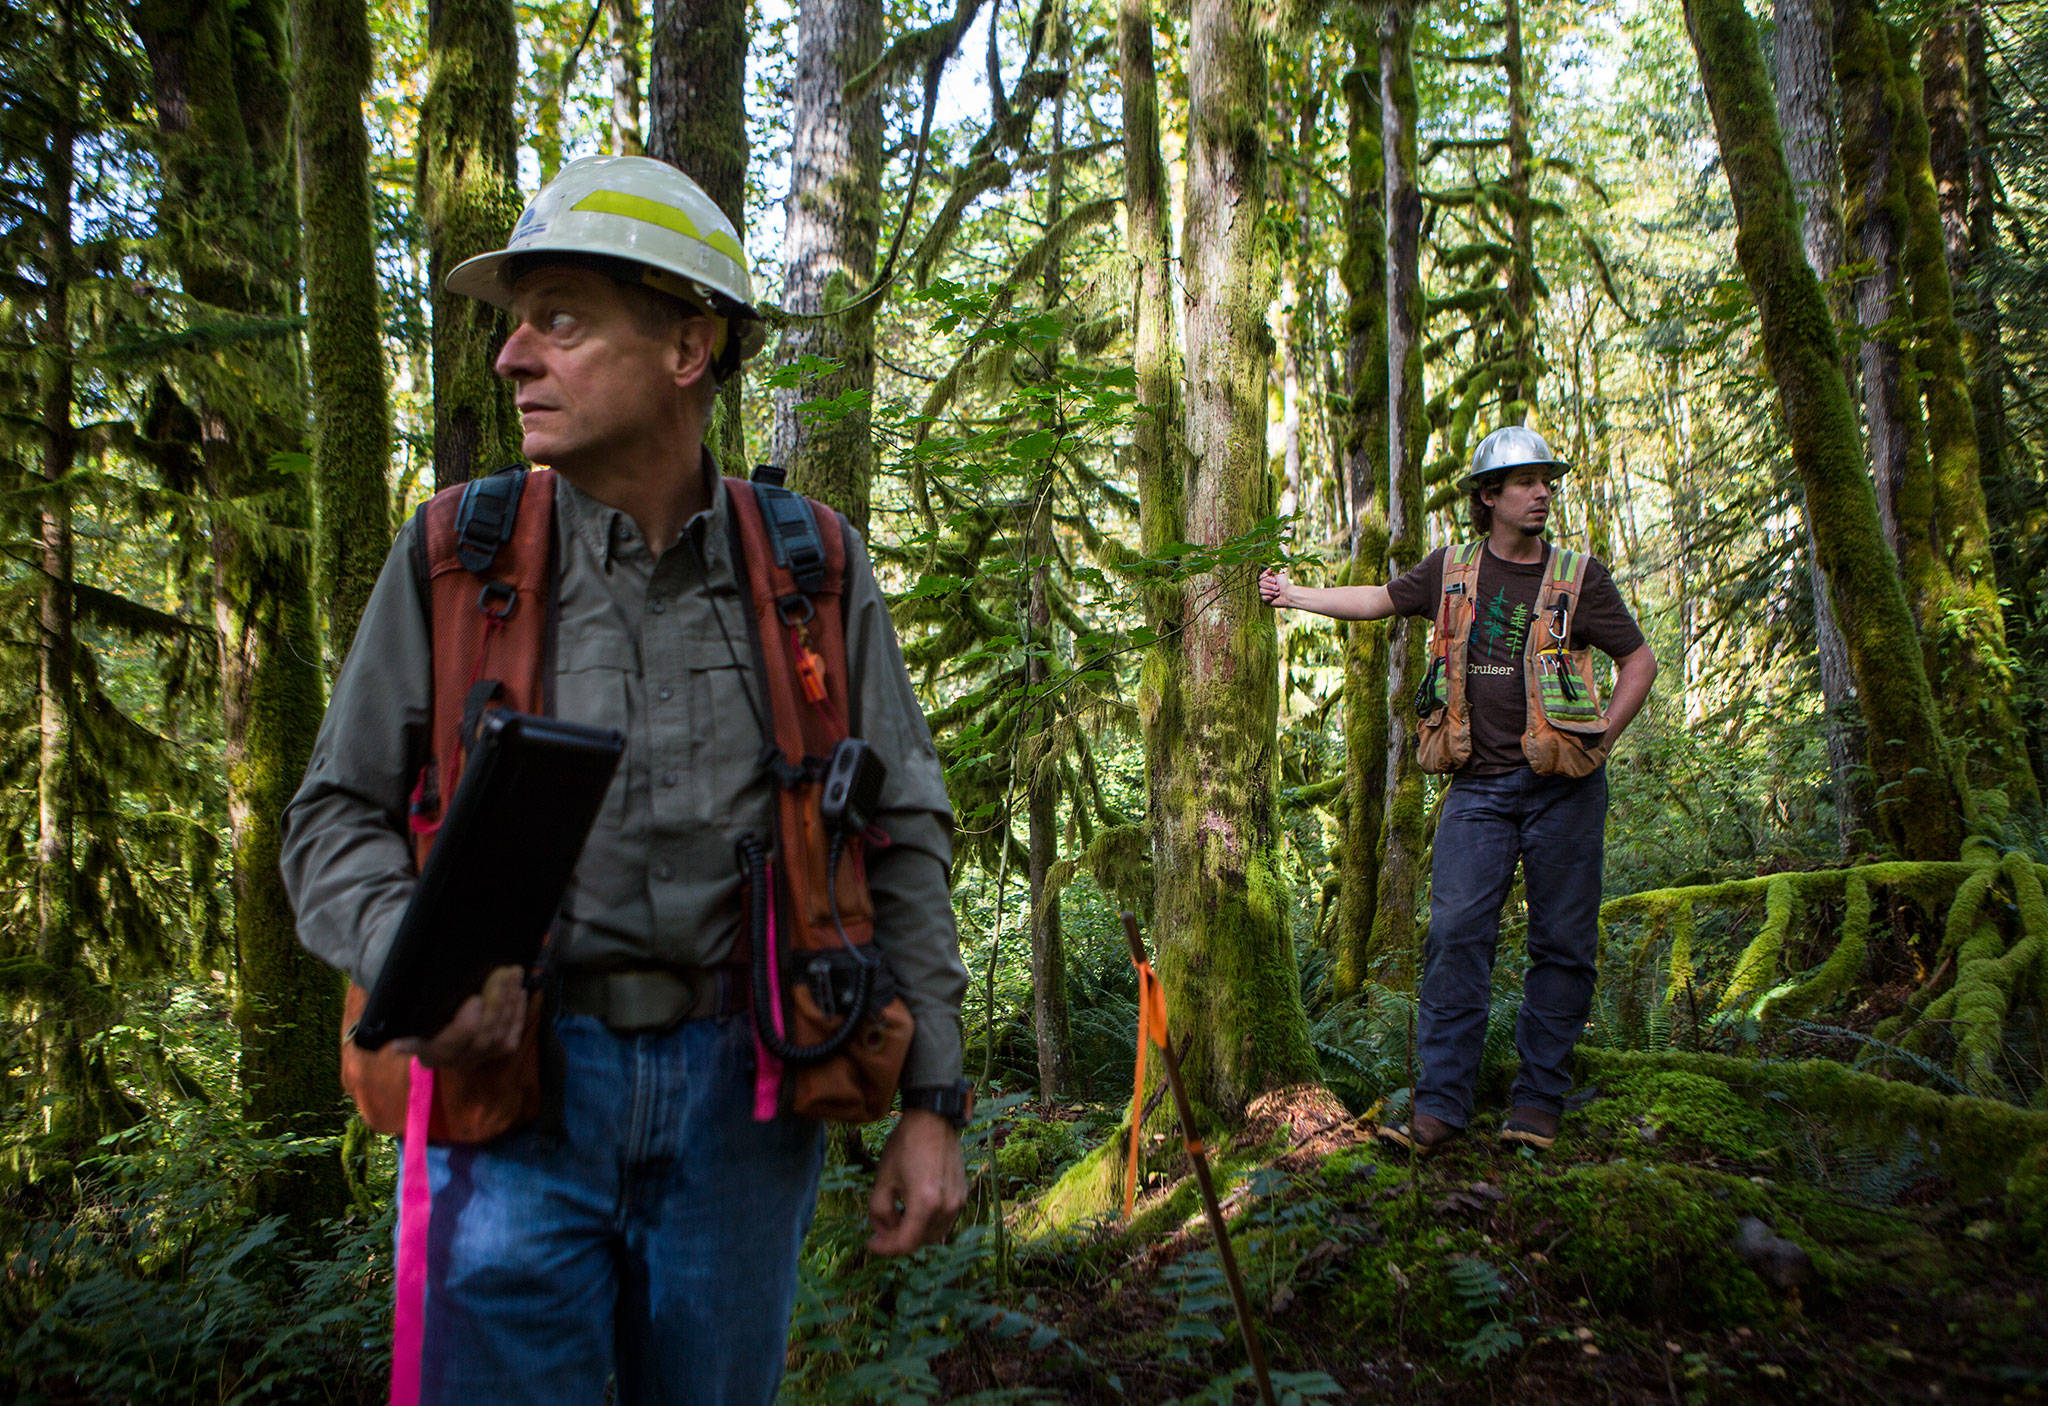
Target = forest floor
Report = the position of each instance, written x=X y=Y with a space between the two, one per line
x=1685 y=1240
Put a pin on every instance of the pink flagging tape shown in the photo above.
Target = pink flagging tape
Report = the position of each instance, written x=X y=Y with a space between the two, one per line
x=767 y=1068
x=415 y=1209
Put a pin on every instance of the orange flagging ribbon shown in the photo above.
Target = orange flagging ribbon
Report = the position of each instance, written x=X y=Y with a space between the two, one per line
x=1151 y=1030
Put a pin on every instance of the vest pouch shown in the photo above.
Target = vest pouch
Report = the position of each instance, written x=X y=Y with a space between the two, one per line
x=472 y=1104
x=1443 y=741
x=858 y=1084
x=1555 y=752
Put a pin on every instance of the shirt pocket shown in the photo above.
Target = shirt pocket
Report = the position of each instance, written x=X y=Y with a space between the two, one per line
x=598 y=695
x=724 y=738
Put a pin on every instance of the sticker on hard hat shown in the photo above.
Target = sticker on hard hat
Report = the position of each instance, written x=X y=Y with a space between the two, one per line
x=528 y=227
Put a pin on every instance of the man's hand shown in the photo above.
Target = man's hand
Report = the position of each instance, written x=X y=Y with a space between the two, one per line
x=920 y=1186
x=1275 y=589
x=488 y=1025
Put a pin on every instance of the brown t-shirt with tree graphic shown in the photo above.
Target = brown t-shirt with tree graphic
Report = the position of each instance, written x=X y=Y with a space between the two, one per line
x=1506 y=602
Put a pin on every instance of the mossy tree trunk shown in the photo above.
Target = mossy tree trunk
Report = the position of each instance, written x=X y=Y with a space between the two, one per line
x=344 y=342
x=1365 y=496
x=468 y=199
x=697 y=122
x=1157 y=449
x=1920 y=803
x=830 y=227
x=59 y=944
x=1394 y=945
x=1964 y=637
x=1220 y=919
x=1804 y=54
x=222 y=104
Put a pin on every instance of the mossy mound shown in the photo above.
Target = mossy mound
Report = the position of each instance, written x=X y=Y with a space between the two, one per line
x=1696 y=1111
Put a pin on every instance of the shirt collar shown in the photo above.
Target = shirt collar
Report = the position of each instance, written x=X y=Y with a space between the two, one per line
x=606 y=529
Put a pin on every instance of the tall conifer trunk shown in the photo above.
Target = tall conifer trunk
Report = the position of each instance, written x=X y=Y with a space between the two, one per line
x=697 y=122
x=59 y=936
x=1806 y=115
x=624 y=68
x=1519 y=383
x=1964 y=639
x=344 y=341
x=830 y=227
x=222 y=103
x=1049 y=1015
x=1366 y=489
x=1394 y=943
x=1220 y=908
x=1919 y=800
x=468 y=199
x=1875 y=217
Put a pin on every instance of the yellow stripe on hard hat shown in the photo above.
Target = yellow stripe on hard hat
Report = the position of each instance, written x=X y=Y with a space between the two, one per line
x=653 y=212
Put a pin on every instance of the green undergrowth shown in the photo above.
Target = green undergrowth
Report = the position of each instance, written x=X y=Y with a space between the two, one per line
x=1707 y=1228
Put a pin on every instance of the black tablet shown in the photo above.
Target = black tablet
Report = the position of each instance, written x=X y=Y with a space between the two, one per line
x=508 y=845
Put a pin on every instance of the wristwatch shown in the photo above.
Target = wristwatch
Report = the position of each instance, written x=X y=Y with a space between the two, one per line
x=954 y=1102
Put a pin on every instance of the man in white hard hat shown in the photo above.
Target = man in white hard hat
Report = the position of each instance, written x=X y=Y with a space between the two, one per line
x=1513 y=711
x=653 y=1240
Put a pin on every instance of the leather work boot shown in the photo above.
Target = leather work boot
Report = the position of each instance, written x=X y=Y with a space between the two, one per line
x=1420 y=1136
x=1529 y=1127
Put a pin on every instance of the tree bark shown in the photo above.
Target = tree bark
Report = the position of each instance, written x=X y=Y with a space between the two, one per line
x=468 y=199
x=1920 y=802
x=344 y=343
x=831 y=225
x=1519 y=382
x=624 y=69
x=1875 y=220
x=698 y=124
x=1366 y=490
x=1048 y=942
x=1964 y=640
x=221 y=99
x=1394 y=942
x=1220 y=907
x=1806 y=115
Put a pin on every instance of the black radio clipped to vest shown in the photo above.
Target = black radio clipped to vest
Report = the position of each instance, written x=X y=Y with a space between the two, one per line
x=853 y=787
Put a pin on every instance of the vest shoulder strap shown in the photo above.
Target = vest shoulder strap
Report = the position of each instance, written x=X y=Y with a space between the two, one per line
x=793 y=559
x=486 y=550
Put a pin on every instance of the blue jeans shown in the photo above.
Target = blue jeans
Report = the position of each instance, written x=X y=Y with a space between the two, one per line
x=1555 y=828
x=657 y=1240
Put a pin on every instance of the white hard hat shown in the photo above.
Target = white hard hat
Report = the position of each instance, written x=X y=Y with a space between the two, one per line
x=1511 y=447
x=640 y=210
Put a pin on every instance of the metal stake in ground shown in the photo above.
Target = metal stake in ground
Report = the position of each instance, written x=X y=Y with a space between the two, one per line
x=1147 y=981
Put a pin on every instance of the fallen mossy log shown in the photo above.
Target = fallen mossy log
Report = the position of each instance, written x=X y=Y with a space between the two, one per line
x=1986 y=1147
x=1992 y=960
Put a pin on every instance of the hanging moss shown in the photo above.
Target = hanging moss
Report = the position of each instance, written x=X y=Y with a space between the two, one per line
x=1843 y=964
x=1680 y=974
x=1757 y=968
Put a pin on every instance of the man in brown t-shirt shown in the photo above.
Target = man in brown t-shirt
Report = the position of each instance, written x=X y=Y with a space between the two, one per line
x=1499 y=811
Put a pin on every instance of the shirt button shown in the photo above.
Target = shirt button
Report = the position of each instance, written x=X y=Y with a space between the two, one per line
x=664 y=872
x=668 y=778
x=656 y=607
x=666 y=694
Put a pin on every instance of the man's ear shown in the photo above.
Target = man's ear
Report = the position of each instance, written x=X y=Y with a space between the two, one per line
x=697 y=340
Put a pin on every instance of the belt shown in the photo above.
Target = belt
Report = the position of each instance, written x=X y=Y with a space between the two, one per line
x=652 y=998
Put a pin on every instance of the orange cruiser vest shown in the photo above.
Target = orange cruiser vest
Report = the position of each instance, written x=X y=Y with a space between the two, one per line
x=484 y=555
x=1565 y=720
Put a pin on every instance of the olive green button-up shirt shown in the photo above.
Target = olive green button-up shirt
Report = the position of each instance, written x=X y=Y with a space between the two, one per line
x=640 y=649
